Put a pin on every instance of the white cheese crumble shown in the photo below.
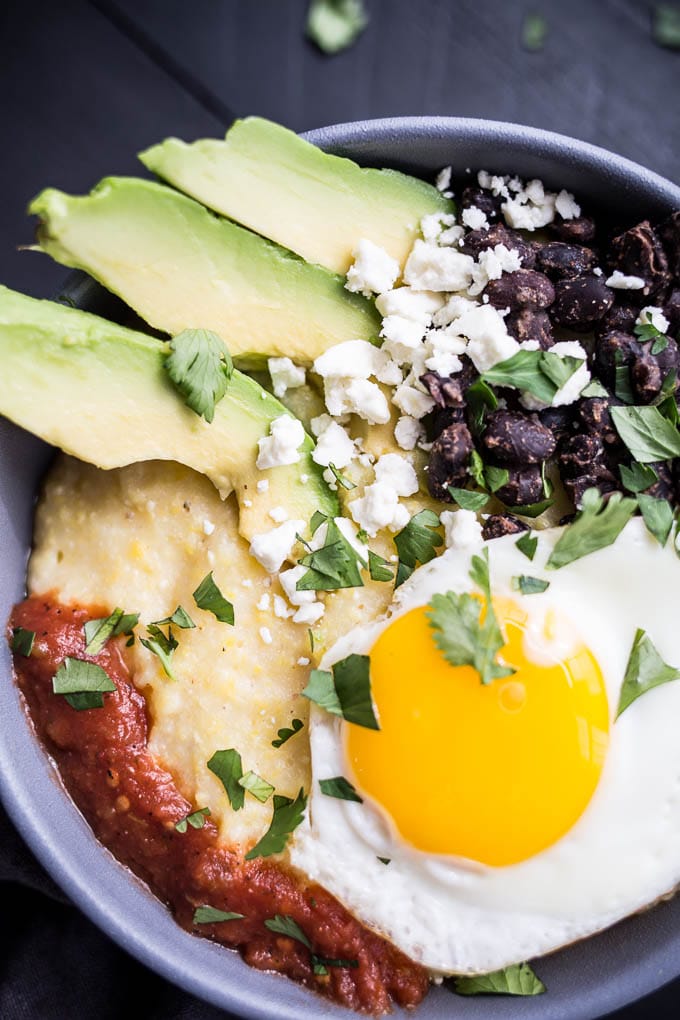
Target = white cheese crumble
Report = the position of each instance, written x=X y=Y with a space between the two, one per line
x=263 y=485
x=379 y=506
x=208 y=527
x=567 y=206
x=309 y=614
x=285 y=375
x=282 y=444
x=489 y=340
x=303 y=661
x=352 y=359
x=266 y=635
x=653 y=315
x=461 y=529
x=408 y=432
x=408 y=303
x=289 y=579
x=474 y=218
x=619 y=281
x=356 y=396
x=491 y=265
x=263 y=603
x=272 y=548
x=333 y=445
x=278 y=514
x=373 y=270
x=430 y=267
x=431 y=226
x=443 y=179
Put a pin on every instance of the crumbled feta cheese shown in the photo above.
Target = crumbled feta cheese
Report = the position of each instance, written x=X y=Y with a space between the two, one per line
x=281 y=609
x=408 y=432
x=247 y=503
x=429 y=267
x=489 y=340
x=378 y=508
x=333 y=445
x=310 y=614
x=398 y=472
x=452 y=310
x=303 y=661
x=208 y=527
x=263 y=603
x=266 y=635
x=352 y=359
x=412 y=401
x=452 y=235
x=443 y=179
x=401 y=333
x=619 y=281
x=597 y=271
x=263 y=485
x=282 y=444
x=285 y=375
x=461 y=529
x=474 y=218
x=418 y=305
x=289 y=579
x=279 y=514
x=443 y=363
x=567 y=206
x=391 y=374
x=272 y=548
x=247 y=583
x=373 y=270
x=357 y=396
x=431 y=226
x=493 y=183
x=491 y=265
x=650 y=314
x=523 y=215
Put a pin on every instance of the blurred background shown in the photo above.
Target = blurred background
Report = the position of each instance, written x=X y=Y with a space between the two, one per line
x=85 y=85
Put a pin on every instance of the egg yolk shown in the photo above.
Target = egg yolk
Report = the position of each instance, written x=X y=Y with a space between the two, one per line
x=494 y=773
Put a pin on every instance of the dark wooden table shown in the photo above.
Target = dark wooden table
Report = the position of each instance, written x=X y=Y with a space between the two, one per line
x=85 y=85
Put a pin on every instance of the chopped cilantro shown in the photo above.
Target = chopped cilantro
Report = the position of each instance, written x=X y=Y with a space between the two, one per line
x=527 y=544
x=200 y=366
x=286 y=733
x=22 y=641
x=538 y=372
x=335 y=24
x=534 y=32
x=339 y=787
x=623 y=388
x=260 y=788
x=460 y=635
x=209 y=597
x=227 y=766
x=385 y=860
x=341 y=479
x=180 y=618
x=378 y=568
x=529 y=585
x=666 y=26
x=284 y=924
x=286 y=817
x=98 y=632
x=596 y=525
x=346 y=691
x=480 y=399
x=337 y=564
x=657 y=515
x=647 y=434
x=161 y=645
x=645 y=669
x=82 y=683
x=594 y=389
x=637 y=477
x=517 y=979
x=495 y=477
x=211 y=915
x=196 y=820
x=417 y=543
x=468 y=499
x=532 y=509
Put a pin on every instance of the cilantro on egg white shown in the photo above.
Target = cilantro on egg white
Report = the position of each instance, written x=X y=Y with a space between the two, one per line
x=346 y=691
x=645 y=669
x=658 y=516
x=527 y=544
x=529 y=585
x=596 y=525
x=341 y=788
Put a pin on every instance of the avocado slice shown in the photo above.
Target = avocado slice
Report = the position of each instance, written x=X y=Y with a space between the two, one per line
x=179 y=266
x=100 y=392
x=276 y=183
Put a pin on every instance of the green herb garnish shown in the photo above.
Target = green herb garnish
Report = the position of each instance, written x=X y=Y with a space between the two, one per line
x=346 y=691
x=480 y=399
x=637 y=477
x=209 y=597
x=284 y=924
x=467 y=499
x=98 y=632
x=341 y=479
x=260 y=788
x=228 y=768
x=339 y=787
x=529 y=585
x=82 y=683
x=200 y=366
x=647 y=434
x=527 y=544
x=657 y=515
x=287 y=732
x=196 y=820
x=211 y=915
x=162 y=646
x=180 y=618
x=597 y=524
x=22 y=641
x=334 y=24
x=538 y=372
x=594 y=389
x=495 y=477
x=417 y=543
x=666 y=26
x=379 y=568
x=517 y=979
x=286 y=817
x=645 y=669
x=337 y=564
x=534 y=32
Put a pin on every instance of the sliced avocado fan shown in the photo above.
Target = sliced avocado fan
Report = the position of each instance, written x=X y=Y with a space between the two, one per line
x=100 y=392
x=316 y=204
x=181 y=267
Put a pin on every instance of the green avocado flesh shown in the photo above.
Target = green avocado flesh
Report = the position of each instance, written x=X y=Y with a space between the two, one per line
x=318 y=205
x=180 y=267
x=100 y=392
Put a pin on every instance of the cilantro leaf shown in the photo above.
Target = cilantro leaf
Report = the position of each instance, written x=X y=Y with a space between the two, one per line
x=378 y=568
x=647 y=434
x=527 y=544
x=657 y=515
x=529 y=585
x=645 y=669
x=162 y=646
x=97 y=632
x=22 y=641
x=596 y=525
x=666 y=26
x=82 y=683
x=517 y=979
x=334 y=24
x=480 y=399
x=227 y=766
x=534 y=32
x=286 y=817
x=284 y=924
x=200 y=366
x=532 y=509
x=337 y=564
x=460 y=635
x=211 y=915
x=417 y=542
x=180 y=618
x=346 y=691
x=637 y=477
x=538 y=372
x=341 y=788
x=468 y=499
x=260 y=788
x=341 y=479
x=209 y=597
x=286 y=732
x=196 y=820
x=646 y=330
x=594 y=389
x=495 y=477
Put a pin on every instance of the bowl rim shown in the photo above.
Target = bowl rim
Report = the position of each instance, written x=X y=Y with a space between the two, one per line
x=121 y=905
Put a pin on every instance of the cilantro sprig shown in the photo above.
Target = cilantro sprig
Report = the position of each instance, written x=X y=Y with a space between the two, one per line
x=195 y=819
x=341 y=788
x=22 y=641
x=211 y=915
x=645 y=670
x=286 y=817
x=417 y=543
x=649 y=435
x=286 y=732
x=346 y=691
x=200 y=366
x=82 y=683
x=98 y=632
x=540 y=373
x=596 y=525
x=517 y=979
x=337 y=564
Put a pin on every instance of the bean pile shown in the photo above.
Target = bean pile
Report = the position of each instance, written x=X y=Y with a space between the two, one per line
x=559 y=291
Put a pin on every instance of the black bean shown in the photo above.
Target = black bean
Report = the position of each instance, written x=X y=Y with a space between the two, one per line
x=622 y=316
x=580 y=230
x=671 y=310
x=440 y=418
x=559 y=420
x=498 y=525
x=580 y=455
x=638 y=252
x=664 y=486
x=530 y=324
x=594 y=415
x=446 y=391
x=575 y=487
x=581 y=302
x=477 y=241
x=562 y=261
x=523 y=487
x=669 y=233
x=480 y=198
x=525 y=288
x=614 y=349
x=649 y=371
x=517 y=439
x=448 y=461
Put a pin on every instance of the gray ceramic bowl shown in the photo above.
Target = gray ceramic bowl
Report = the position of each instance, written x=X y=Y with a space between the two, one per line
x=584 y=981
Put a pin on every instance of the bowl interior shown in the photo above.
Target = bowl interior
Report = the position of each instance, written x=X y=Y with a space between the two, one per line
x=585 y=980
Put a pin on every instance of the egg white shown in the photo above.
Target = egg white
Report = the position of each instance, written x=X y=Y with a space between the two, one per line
x=457 y=916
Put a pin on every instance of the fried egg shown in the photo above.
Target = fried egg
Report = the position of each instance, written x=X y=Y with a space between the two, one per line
x=498 y=822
